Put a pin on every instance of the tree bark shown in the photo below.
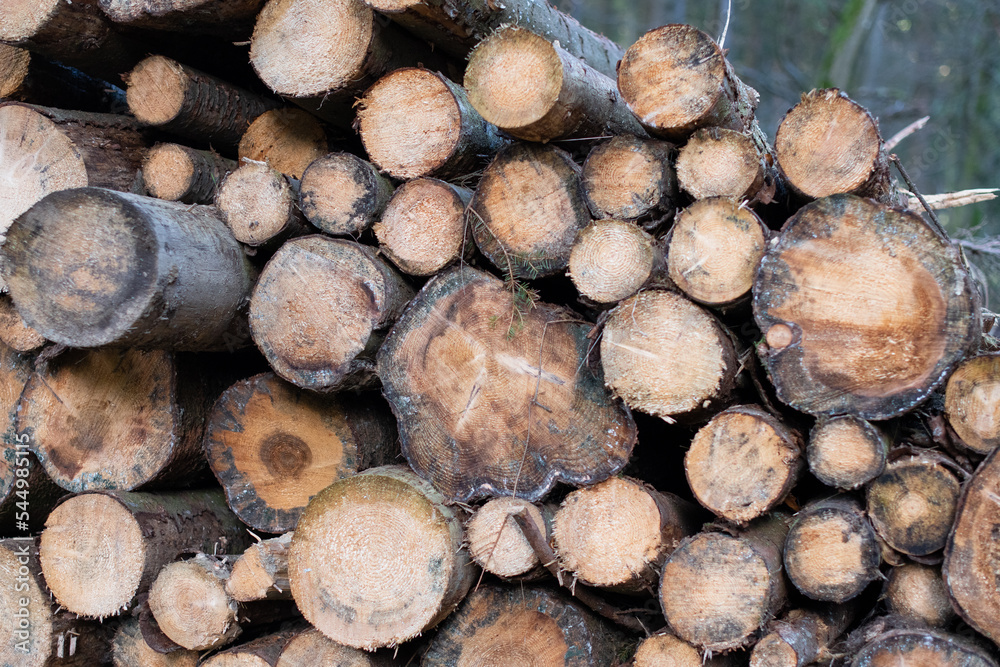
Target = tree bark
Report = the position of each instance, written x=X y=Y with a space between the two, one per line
x=32 y=78
x=972 y=402
x=261 y=652
x=178 y=173
x=918 y=592
x=932 y=647
x=130 y=649
x=846 y=452
x=273 y=446
x=494 y=397
x=536 y=90
x=312 y=647
x=613 y=259
x=803 y=637
x=259 y=205
x=232 y=19
x=360 y=529
x=830 y=347
x=630 y=178
x=261 y=573
x=718 y=162
x=496 y=543
x=286 y=139
x=90 y=267
x=343 y=195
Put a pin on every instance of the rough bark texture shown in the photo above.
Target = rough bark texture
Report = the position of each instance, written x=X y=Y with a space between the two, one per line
x=286 y=139
x=94 y=576
x=923 y=647
x=32 y=78
x=830 y=348
x=972 y=402
x=845 y=452
x=613 y=259
x=536 y=90
x=718 y=162
x=414 y=122
x=261 y=652
x=318 y=307
x=262 y=572
x=918 y=592
x=466 y=370
x=258 y=204
x=130 y=649
x=803 y=637
x=178 y=173
x=273 y=446
x=342 y=194
x=630 y=178
x=229 y=18
x=359 y=531
x=90 y=267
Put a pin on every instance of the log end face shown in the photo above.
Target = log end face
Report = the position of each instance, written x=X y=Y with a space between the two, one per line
x=256 y=202
x=287 y=139
x=23 y=19
x=773 y=651
x=34 y=649
x=167 y=172
x=666 y=649
x=627 y=177
x=423 y=227
x=339 y=194
x=972 y=402
x=190 y=605
x=611 y=260
x=312 y=647
x=845 y=452
x=496 y=542
x=719 y=162
x=831 y=556
x=918 y=592
x=14 y=63
x=156 y=90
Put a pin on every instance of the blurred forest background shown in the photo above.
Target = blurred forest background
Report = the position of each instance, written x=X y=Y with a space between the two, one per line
x=902 y=59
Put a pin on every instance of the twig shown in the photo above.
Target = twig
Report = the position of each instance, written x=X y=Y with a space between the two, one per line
x=953 y=199
x=905 y=132
x=920 y=197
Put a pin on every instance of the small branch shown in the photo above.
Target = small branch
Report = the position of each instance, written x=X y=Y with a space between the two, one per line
x=905 y=132
x=953 y=199
x=920 y=197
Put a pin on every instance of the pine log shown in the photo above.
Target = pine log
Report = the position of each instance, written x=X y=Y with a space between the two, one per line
x=616 y=534
x=32 y=78
x=130 y=649
x=536 y=90
x=273 y=446
x=101 y=549
x=347 y=46
x=718 y=162
x=613 y=259
x=456 y=29
x=828 y=143
x=522 y=626
x=261 y=652
x=972 y=402
x=643 y=337
x=259 y=205
x=188 y=599
x=665 y=650
x=923 y=647
x=743 y=463
x=918 y=592
x=831 y=552
x=178 y=173
x=714 y=250
x=14 y=331
x=971 y=559
x=803 y=637
x=912 y=504
x=228 y=18
x=496 y=543
x=376 y=559
x=184 y=101
x=846 y=452
x=318 y=308
x=830 y=346
x=414 y=122
x=676 y=79
x=90 y=267
x=716 y=590
x=423 y=227
x=527 y=210
x=261 y=573
x=342 y=194
x=630 y=178
x=311 y=648
x=519 y=408
x=287 y=139
x=77 y=34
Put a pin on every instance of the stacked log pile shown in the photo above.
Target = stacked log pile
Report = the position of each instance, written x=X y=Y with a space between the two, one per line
x=456 y=334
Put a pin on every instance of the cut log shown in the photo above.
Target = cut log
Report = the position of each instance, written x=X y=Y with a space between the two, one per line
x=347 y=45
x=101 y=549
x=261 y=652
x=457 y=29
x=32 y=78
x=414 y=122
x=423 y=227
x=189 y=602
x=178 y=173
x=536 y=90
x=830 y=347
x=287 y=139
x=527 y=210
x=522 y=626
x=918 y=592
x=187 y=102
x=803 y=637
x=311 y=648
x=90 y=267
x=972 y=402
x=228 y=18
x=259 y=205
x=912 y=504
x=617 y=533
x=131 y=650
x=717 y=162
x=665 y=650
x=676 y=79
x=971 y=560
x=117 y=419
x=496 y=543
x=743 y=463
x=376 y=559
x=714 y=250
x=484 y=430
x=14 y=331
x=716 y=590
x=273 y=446
x=828 y=143
x=831 y=552
x=261 y=573
x=923 y=647
x=630 y=178
x=342 y=194
x=323 y=336
x=846 y=452
x=643 y=337
x=613 y=259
